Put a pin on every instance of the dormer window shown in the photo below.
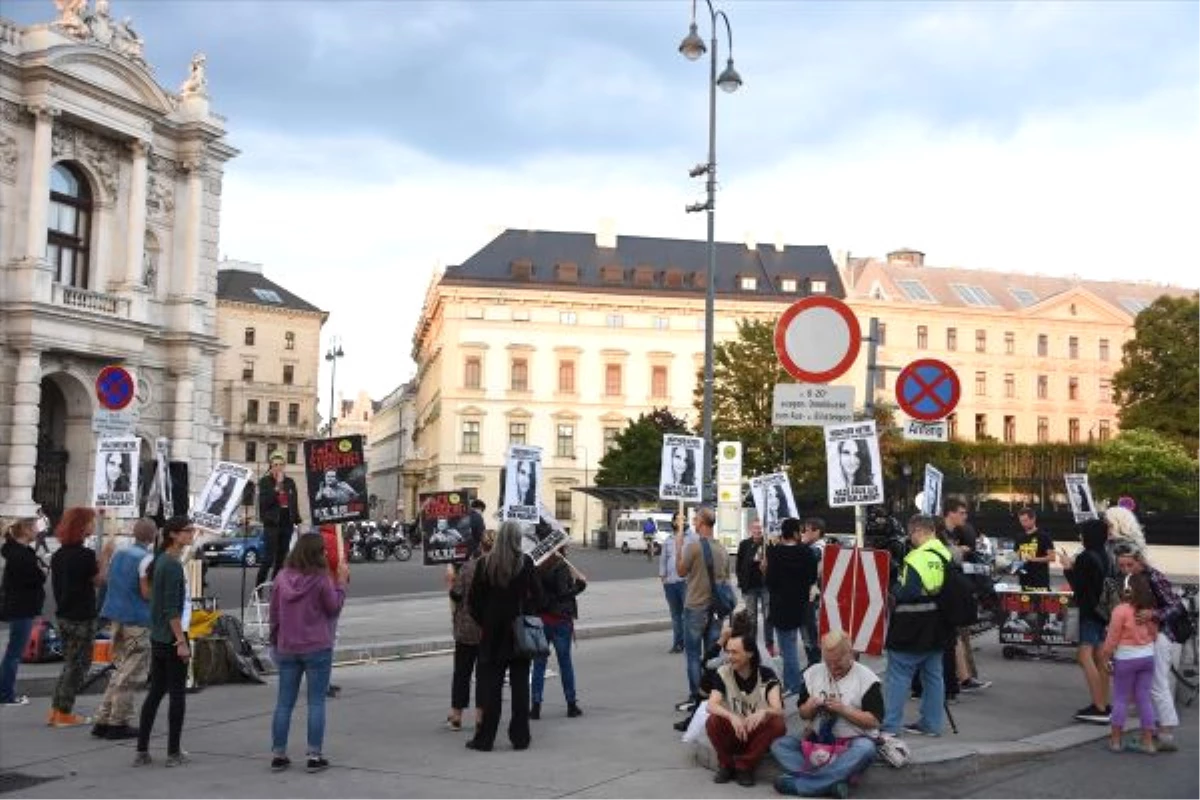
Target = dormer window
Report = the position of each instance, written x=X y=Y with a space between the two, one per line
x=522 y=269
x=567 y=272
x=612 y=273
x=817 y=286
x=643 y=276
x=788 y=285
x=672 y=279
x=747 y=283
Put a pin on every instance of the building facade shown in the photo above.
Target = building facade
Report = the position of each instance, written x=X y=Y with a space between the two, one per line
x=354 y=416
x=389 y=446
x=266 y=378
x=110 y=205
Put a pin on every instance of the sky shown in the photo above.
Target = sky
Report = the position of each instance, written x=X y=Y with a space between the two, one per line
x=383 y=140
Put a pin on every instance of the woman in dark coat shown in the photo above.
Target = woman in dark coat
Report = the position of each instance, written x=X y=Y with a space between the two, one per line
x=504 y=587
x=24 y=594
x=1086 y=573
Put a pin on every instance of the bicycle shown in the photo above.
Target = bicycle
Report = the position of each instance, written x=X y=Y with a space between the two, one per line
x=1186 y=670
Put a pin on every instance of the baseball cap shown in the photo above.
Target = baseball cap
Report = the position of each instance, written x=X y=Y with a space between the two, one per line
x=276 y=457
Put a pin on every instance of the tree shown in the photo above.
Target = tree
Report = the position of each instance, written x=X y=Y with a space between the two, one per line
x=1156 y=471
x=637 y=454
x=1158 y=385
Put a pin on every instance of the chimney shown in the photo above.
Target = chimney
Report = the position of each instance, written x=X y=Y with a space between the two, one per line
x=751 y=242
x=779 y=245
x=606 y=236
x=907 y=257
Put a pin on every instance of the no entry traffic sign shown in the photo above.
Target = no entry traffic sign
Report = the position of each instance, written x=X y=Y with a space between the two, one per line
x=817 y=339
x=928 y=389
x=114 y=388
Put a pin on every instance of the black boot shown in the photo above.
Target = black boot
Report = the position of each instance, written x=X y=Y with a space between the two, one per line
x=535 y=711
x=573 y=710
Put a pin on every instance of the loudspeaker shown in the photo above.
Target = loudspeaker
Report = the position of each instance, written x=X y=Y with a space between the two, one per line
x=248 y=494
x=180 y=494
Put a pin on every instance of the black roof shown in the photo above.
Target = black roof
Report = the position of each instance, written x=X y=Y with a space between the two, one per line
x=644 y=265
x=240 y=285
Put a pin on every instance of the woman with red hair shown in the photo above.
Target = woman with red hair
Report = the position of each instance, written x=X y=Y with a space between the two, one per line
x=74 y=574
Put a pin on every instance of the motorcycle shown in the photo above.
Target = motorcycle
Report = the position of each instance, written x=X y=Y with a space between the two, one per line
x=356 y=543
x=397 y=541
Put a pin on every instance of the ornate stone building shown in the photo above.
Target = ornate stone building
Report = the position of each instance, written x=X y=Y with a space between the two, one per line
x=110 y=201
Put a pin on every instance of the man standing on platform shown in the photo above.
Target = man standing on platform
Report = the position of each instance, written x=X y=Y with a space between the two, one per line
x=279 y=512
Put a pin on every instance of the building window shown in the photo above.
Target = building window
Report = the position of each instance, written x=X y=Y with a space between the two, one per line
x=562 y=504
x=661 y=323
x=520 y=315
x=788 y=285
x=473 y=372
x=272 y=413
x=1105 y=394
x=566 y=377
x=270 y=447
x=1073 y=347
x=289 y=341
x=294 y=414
x=251 y=411
x=568 y=317
x=980 y=384
x=520 y=375
x=952 y=426
x=747 y=283
x=291 y=453
x=516 y=433
x=1043 y=387
x=1010 y=343
x=1010 y=385
x=980 y=427
x=1104 y=349
x=251 y=452
x=615 y=321
x=882 y=338
x=1010 y=429
x=1043 y=432
x=612 y=379
x=1072 y=388
x=816 y=287
x=951 y=338
x=289 y=372
x=658 y=382
x=248 y=337
x=1043 y=345
x=474 y=312
x=470 y=437
x=247 y=370
x=980 y=341
x=610 y=439
x=1073 y=430
x=1105 y=430
x=566 y=440
x=69 y=218
x=922 y=337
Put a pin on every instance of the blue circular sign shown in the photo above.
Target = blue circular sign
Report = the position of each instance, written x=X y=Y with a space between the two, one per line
x=114 y=388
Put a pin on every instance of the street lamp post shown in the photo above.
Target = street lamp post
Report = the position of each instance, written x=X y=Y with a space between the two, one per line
x=583 y=447
x=332 y=355
x=693 y=47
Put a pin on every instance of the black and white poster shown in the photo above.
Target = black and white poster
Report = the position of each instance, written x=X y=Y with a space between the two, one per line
x=522 y=485
x=931 y=495
x=159 y=498
x=336 y=472
x=1080 y=495
x=221 y=496
x=445 y=520
x=542 y=541
x=679 y=476
x=114 y=488
x=774 y=500
x=852 y=463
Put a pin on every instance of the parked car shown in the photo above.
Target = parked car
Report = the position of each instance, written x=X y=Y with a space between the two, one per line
x=629 y=530
x=236 y=546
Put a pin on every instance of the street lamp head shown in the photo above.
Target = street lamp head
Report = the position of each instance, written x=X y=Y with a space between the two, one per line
x=729 y=80
x=692 y=45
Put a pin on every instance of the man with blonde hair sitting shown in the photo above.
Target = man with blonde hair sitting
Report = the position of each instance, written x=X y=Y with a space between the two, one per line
x=842 y=700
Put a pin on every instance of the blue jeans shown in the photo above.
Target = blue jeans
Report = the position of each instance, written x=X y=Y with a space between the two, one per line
x=317 y=667
x=756 y=600
x=809 y=630
x=789 y=651
x=675 y=592
x=19 y=631
x=697 y=633
x=559 y=636
x=897 y=683
x=855 y=760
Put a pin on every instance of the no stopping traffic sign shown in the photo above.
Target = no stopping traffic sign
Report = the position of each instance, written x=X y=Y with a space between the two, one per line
x=928 y=389
x=114 y=388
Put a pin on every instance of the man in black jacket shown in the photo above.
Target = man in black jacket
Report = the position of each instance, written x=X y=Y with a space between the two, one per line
x=791 y=569
x=750 y=555
x=279 y=512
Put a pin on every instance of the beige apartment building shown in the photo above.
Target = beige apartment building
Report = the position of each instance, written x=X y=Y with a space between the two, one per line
x=354 y=416
x=266 y=378
x=389 y=444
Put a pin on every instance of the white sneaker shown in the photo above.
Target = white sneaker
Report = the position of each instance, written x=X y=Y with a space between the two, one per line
x=19 y=700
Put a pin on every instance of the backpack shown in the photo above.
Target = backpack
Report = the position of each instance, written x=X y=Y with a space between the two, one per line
x=44 y=643
x=956 y=601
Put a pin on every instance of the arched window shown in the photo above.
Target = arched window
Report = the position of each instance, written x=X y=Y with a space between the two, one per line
x=70 y=221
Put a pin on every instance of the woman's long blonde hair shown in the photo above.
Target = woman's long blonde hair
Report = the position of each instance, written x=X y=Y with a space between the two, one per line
x=1122 y=524
x=504 y=562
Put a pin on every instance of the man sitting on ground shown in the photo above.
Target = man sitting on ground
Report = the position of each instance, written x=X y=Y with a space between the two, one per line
x=745 y=712
x=843 y=701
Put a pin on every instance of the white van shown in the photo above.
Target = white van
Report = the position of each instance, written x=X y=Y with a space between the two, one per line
x=629 y=530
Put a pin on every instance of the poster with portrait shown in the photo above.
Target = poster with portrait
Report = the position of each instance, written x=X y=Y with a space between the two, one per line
x=1037 y=618
x=445 y=520
x=853 y=464
x=1079 y=493
x=158 y=496
x=336 y=472
x=931 y=495
x=682 y=461
x=221 y=496
x=544 y=539
x=522 y=485
x=774 y=500
x=114 y=487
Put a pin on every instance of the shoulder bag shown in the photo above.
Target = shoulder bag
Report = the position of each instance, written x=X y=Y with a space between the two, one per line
x=723 y=599
x=529 y=635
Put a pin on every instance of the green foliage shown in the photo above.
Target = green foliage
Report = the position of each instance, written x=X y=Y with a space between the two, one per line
x=1158 y=385
x=636 y=458
x=1148 y=466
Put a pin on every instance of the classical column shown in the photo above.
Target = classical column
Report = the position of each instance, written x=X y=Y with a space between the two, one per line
x=183 y=422
x=39 y=185
x=135 y=242
x=22 y=452
x=195 y=204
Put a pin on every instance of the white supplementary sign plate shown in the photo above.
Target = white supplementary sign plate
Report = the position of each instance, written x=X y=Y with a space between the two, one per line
x=812 y=404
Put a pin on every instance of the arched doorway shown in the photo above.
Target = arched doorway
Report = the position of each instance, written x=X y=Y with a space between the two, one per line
x=64 y=445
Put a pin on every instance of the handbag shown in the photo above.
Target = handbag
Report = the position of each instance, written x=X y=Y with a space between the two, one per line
x=529 y=636
x=723 y=599
x=1110 y=598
